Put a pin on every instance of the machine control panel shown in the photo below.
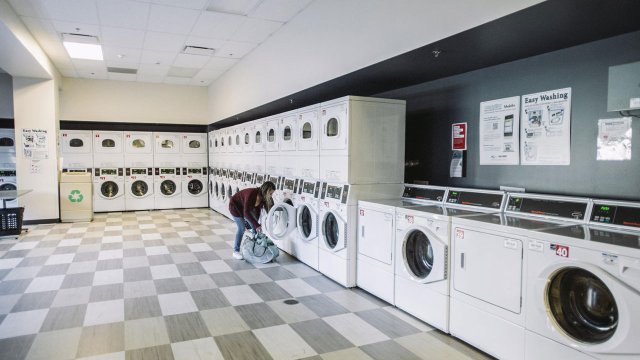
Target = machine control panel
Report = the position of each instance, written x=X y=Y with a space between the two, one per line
x=616 y=214
x=492 y=200
x=413 y=192
x=565 y=209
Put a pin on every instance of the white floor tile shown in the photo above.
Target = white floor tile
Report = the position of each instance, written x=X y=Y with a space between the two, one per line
x=22 y=323
x=200 y=349
x=164 y=271
x=177 y=303
x=283 y=342
x=240 y=295
x=104 y=312
x=107 y=277
x=46 y=283
x=356 y=330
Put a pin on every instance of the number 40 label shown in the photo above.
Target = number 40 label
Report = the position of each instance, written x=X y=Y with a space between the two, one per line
x=562 y=250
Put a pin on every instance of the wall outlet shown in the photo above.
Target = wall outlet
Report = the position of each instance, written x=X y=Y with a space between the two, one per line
x=511 y=189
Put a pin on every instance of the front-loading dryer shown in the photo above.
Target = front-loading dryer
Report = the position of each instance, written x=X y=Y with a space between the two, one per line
x=138 y=149
x=108 y=189
x=489 y=261
x=108 y=149
x=167 y=150
x=194 y=185
x=584 y=281
x=7 y=148
x=76 y=149
x=8 y=182
x=140 y=186
x=167 y=188
x=304 y=244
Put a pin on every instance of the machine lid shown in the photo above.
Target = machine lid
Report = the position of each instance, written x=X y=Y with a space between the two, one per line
x=516 y=221
x=109 y=189
x=629 y=239
x=195 y=187
x=168 y=187
x=139 y=188
x=582 y=305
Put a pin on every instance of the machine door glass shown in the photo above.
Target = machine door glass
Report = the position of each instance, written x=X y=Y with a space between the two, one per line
x=271 y=136
x=306 y=130
x=418 y=254
x=8 y=187
x=138 y=143
x=168 y=187
x=194 y=144
x=211 y=188
x=229 y=191
x=334 y=129
x=332 y=231
x=195 y=187
x=488 y=267
x=139 y=188
x=108 y=143
x=246 y=138
x=238 y=140
x=109 y=189
x=6 y=142
x=223 y=192
x=258 y=137
x=582 y=305
x=74 y=143
x=375 y=235
x=306 y=223
x=281 y=220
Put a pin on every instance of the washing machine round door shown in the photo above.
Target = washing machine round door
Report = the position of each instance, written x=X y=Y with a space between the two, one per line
x=424 y=255
x=139 y=188
x=582 y=305
x=8 y=187
x=333 y=231
x=223 y=191
x=281 y=221
x=195 y=187
x=307 y=223
x=109 y=189
x=168 y=187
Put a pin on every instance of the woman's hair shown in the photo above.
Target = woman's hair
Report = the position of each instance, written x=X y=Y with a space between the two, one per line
x=264 y=192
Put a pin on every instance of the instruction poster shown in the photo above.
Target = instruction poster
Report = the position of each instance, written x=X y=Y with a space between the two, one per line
x=614 y=139
x=499 y=131
x=545 y=128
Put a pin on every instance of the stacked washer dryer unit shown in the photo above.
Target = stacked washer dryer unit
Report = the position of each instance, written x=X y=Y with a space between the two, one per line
x=8 y=177
x=361 y=156
x=138 y=161
x=108 y=161
x=376 y=255
x=167 y=165
x=489 y=261
x=195 y=192
x=422 y=267
x=584 y=287
x=213 y=170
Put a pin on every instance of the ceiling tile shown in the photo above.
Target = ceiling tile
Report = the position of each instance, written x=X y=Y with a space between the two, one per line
x=171 y=19
x=182 y=72
x=153 y=57
x=122 y=37
x=89 y=65
x=201 y=82
x=123 y=13
x=176 y=80
x=205 y=42
x=83 y=11
x=40 y=28
x=152 y=69
x=77 y=28
x=191 y=61
x=241 y=7
x=255 y=30
x=122 y=77
x=209 y=73
x=93 y=74
x=121 y=55
x=235 y=49
x=150 y=78
x=189 y=4
x=164 y=42
x=278 y=10
x=221 y=64
x=217 y=25
x=28 y=8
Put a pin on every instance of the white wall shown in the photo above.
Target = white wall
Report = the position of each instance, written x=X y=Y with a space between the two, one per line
x=125 y=101
x=6 y=96
x=331 y=38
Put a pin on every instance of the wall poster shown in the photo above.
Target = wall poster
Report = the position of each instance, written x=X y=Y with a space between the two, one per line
x=545 y=131
x=499 y=131
x=614 y=139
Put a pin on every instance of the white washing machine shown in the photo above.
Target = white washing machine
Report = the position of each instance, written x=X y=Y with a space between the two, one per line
x=308 y=142
x=167 y=149
x=8 y=181
x=280 y=222
x=362 y=140
x=584 y=287
x=212 y=184
x=108 y=189
x=138 y=149
x=167 y=188
x=338 y=226
x=76 y=149
x=305 y=242
x=377 y=237
x=488 y=285
x=194 y=185
x=108 y=149
x=139 y=188
x=422 y=267
x=7 y=149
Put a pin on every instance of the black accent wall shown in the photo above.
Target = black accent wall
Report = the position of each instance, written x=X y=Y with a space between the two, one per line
x=433 y=106
x=125 y=126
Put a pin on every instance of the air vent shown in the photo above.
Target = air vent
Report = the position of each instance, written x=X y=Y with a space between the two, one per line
x=122 y=70
x=198 y=50
x=80 y=38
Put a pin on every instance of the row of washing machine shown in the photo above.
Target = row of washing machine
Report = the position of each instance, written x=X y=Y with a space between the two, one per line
x=8 y=164
x=139 y=170
x=519 y=276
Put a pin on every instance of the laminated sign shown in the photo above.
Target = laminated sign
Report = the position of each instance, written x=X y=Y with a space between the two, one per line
x=459 y=136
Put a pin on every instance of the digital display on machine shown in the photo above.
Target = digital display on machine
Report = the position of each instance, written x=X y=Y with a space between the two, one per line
x=333 y=192
x=548 y=207
x=109 y=171
x=308 y=187
x=7 y=173
x=194 y=171
x=423 y=194
x=167 y=171
x=274 y=180
x=345 y=194
x=324 y=190
x=617 y=215
x=475 y=199
x=288 y=184
x=138 y=171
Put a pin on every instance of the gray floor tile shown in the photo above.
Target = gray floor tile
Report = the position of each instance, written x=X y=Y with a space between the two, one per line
x=109 y=264
x=106 y=292
x=33 y=301
x=164 y=259
x=137 y=274
x=33 y=261
x=167 y=286
x=14 y=286
x=237 y=265
x=390 y=325
x=241 y=346
x=134 y=252
x=77 y=280
x=141 y=307
x=269 y=291
x=388 y=350
x=225 y=279
x=190 y=269
x=209 y=299
x=86 y=256
x=320 y=336
x=16 y=348
x=208 y=255
x=185 y=327
x=322 y=305
x=51 y=270
x=278 y=273
x=162 y=352
x=64 y=317
x=323 y=284
x=258 y=315
x=101 y=339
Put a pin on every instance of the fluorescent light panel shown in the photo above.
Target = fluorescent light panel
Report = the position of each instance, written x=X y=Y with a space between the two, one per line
x=83 y=51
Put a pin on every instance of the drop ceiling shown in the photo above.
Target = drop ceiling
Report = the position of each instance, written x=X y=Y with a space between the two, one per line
x=190 y=42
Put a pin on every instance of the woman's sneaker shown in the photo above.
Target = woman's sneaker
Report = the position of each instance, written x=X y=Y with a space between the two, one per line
x=237 y=255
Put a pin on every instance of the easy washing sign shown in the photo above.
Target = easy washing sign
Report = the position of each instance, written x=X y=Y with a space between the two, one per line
x=75 y=196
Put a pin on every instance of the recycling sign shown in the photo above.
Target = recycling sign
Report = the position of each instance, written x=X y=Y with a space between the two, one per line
x=75 y=196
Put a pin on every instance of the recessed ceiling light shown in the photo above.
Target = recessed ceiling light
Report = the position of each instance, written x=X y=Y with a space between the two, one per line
x=83 y=51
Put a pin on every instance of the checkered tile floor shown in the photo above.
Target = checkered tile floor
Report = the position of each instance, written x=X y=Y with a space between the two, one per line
x=163 y=285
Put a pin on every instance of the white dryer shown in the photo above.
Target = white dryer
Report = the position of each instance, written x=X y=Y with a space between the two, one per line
x=273 y=165
x=304 y=245
x=280 y=223
x=7 y=148
x=308 y=142
x=167 y=188
x=422 y=267
x=584 y=281
x=167 y=149
x=108 y=149
x=194 y=149
x=8 y=181
x=108 y=189
x=76 y=149
x=139 y=188
x=488 y=285
x=138 y=149
x=288 y=139
x=377 y=237
x=194 y=185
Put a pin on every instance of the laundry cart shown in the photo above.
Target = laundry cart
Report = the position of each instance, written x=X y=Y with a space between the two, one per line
x=76 y=196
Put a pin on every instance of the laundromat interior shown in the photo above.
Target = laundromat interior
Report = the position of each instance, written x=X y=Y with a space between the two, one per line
x=453 y=179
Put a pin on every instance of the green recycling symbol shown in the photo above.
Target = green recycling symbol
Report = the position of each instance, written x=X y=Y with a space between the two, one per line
x=75 y=196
